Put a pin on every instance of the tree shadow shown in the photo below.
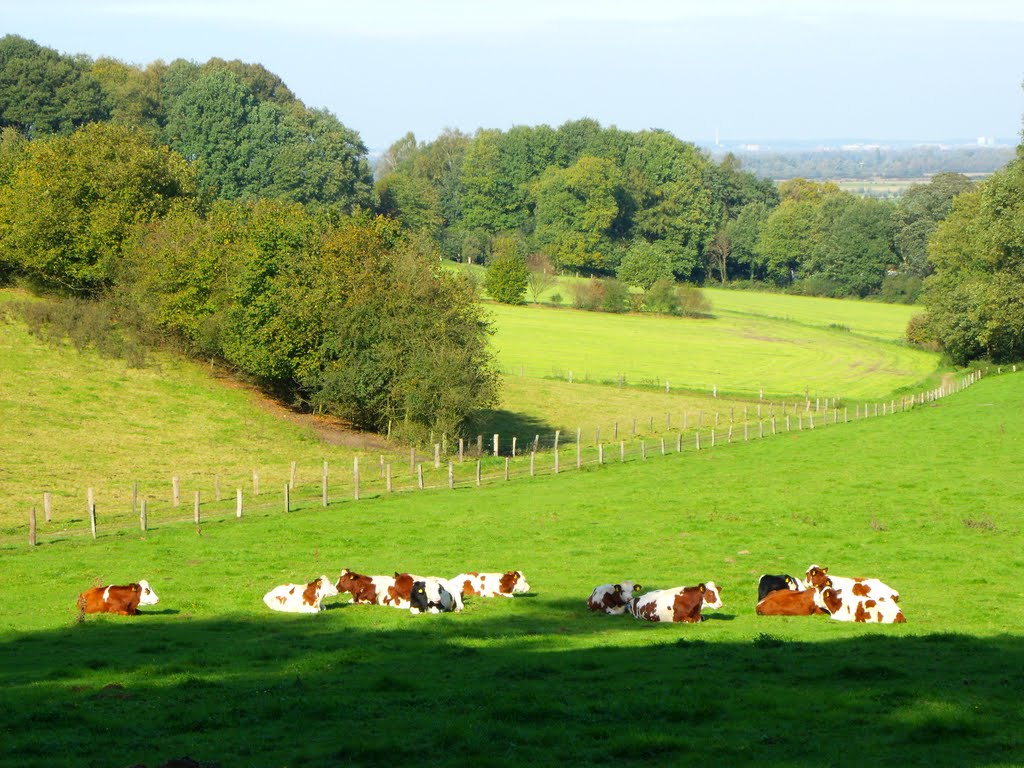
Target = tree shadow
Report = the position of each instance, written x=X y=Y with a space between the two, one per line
x=505 y=689
x=508 y=424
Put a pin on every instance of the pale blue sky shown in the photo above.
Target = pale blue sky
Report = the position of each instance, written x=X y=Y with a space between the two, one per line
x=740 y=69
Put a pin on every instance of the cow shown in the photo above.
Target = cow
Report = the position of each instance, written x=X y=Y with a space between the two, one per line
x=818 y=578
x=613 y=598
x=768 y=583
x=786 y=602
x=878 y=610
x=433 y=596
x=300 y=598
x=402 y=592
x=678 y=604
x=491 y=584
x=372 y=590
x=122 y=600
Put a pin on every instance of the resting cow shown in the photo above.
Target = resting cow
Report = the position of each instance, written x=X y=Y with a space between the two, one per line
x=300 y=598
x=491 y=584
x=859 y=609
x=785 y=602
x=679 y=604
x=769 y=583
x=123 y=600
x=373 y=590
x=819 y=578
x=402 y=593
x=613 y=598
x=433 y=596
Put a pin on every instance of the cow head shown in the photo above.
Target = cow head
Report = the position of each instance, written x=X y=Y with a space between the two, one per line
x=712 y=595
x=627 y=590
x=326 y=587
x=828 y=599
x=418 y=600
x=346 y=580
x=513 y=581
x=146 y=594
x=816 y=576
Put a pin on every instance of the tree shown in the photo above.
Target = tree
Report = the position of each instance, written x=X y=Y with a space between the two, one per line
x=576 y=208
x=718 y=253
x=975 y=298
x=645 y=264
x=73 y=202
x=918 y=213
x=43 y=92
x=542 y=274
x=507 y=275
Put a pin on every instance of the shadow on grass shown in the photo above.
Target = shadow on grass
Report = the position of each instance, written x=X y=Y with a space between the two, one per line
x=509 y=424
x=500 y=690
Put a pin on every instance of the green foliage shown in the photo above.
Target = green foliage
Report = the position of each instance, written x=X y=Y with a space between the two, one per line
x=43 y=92
x=917 y=215
x=645 y=264
x=507 y=274
x=663 y=297
x=576 y=208
x=975 y=298
x=615 y=296
x=73 y=201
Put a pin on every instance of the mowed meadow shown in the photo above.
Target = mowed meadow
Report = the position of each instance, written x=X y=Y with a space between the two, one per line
x=927 y=500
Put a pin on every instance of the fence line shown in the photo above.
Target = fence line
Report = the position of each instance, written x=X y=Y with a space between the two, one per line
x=456 y=476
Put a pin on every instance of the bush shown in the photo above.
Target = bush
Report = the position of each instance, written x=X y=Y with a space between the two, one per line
x=616 y=296
x=901 y=289
x=920 y=333
x=507 y=278
x=588 y=295
x=663 y=297
x=693 y=302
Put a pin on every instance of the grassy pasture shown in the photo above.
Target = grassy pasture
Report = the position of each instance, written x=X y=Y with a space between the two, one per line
x=928 y=500
x=740 y=352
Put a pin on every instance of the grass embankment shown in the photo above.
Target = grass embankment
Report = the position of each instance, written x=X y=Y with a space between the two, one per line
x=928 y=500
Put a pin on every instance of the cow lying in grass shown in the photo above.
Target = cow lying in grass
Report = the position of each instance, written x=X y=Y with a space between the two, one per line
x=769 y=583
x=613 y=598
x=300 y=598
x=846 y=607
x=819 y=578
x=678 y=604
x=506 y=584
x=123 y=600
x=786 y=602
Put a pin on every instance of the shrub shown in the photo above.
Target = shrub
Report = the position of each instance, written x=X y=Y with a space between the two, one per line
x=616 y=296
x=693 y=302
x=663 y=297
x=919 y=332
x=507 y=278
x=588 y=295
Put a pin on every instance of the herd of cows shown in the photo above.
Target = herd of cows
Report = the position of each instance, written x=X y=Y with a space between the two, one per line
x=841 y=598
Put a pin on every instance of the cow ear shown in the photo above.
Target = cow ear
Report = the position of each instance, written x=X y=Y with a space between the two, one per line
x=703 y=588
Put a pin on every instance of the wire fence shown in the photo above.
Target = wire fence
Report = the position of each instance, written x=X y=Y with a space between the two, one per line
x=454 y=465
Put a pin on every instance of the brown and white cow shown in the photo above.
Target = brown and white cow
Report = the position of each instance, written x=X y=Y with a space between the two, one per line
x=818 y=578
x=505 y=584
x=679 y=604
x=786 y=602
x=300 y=598
x=613 y=598
x=373 y=590
x=879 y=610
x=124 y=600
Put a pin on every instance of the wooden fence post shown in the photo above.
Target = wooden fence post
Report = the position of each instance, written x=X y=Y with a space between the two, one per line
x=600 y=453
x=712 y=437
x=696 y=440
x=478 y=473
x=495 y=444
x=663 y=446
x=92 y=515
x=387 y=476
x=556 y=461
x=679 y=443
x=355 y=476
x=419 y=476
x=47 y=506
x=175 y=491
x=32 y=527
x=238 y=502
x=514 y=445
x=451 y=476
x=533 y=456
x=622 y=450
x=506 y=467
x=558 y=432
x=287 y=498
x=462 y=449
x=143 y=521
x=196 y=508
x=643 y=450
x=579 y=451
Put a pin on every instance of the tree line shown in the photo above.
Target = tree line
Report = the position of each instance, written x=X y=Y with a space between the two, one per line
x=111 y=173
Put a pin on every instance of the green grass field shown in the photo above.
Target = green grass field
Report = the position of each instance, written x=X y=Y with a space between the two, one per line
x=927 y=500
x=747 y=350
